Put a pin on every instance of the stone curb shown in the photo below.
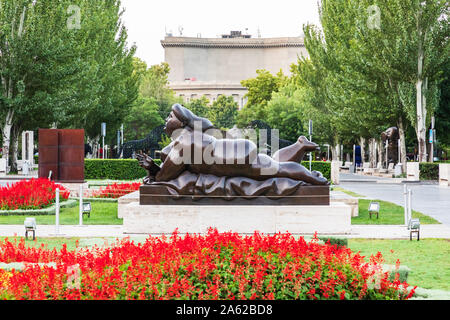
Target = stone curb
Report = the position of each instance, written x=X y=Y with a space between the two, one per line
x=47 y=211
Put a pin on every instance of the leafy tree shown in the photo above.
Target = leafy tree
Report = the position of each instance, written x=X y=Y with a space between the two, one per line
x=115 y=85
x=223 y=112
x=408 y=49
x=259 y=93
x=154 y=85
x=142 y=118
x=199 y=106
x=286 y=112
x=154 y=101
x=63 y=64
x=370 y=70
x=443 y=114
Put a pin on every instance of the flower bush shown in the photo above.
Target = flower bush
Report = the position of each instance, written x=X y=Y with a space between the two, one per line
x=116 y=190
x=213 y=266
x=30 y=194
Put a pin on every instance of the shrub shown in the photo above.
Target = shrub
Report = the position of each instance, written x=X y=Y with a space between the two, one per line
x=401 y=272
x=30 y=194
x=212 y=266
x=340 y=242
x=114 y=169
x=321 y=166
x=429 y=171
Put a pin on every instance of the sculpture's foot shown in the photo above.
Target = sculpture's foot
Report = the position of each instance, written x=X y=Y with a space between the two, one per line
x=308 y=145
x=319 y=178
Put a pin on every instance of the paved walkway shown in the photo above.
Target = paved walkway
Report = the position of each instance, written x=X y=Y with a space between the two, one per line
x=430 y=199
x=358 y=231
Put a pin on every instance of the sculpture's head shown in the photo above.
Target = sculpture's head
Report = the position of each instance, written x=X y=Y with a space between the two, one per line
x=390 y=134
x=180 y=117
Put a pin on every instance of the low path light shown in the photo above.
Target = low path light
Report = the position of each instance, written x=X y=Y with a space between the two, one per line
x=87 y=209
x=30 y=226
x=414 y=227
x=374 y=208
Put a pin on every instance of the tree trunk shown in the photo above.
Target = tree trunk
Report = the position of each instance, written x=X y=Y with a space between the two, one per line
x=7 y=135
x=94 y=145
x=335 y=150
x=15 y=131
x=421 y=126
x=372 y=153
x=362 y=144
x=401 y=132
x=421 y=110
x=380 y=152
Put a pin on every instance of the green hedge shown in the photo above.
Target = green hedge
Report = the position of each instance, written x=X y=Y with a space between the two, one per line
x=340 y=242
x=429 y=171
x=114 y=169
x=403 y=272
x=321 y=166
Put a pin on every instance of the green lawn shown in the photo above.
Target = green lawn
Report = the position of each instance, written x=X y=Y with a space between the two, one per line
x=390 y=213
x=350 y=193
x=103 y=213
x=428 y=259
x=50 y=243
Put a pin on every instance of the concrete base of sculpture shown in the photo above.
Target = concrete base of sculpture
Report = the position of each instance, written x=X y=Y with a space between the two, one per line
x=74 y=187
x=304 y=195
x=444 y=174
x=244 y=219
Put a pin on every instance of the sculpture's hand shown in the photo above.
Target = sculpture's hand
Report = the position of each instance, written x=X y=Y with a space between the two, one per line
x=148 y=164
x=145 y=161
x=149 y=180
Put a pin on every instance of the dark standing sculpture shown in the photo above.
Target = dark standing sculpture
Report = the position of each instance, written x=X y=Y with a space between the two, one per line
x=198 y=166
x=391 y=135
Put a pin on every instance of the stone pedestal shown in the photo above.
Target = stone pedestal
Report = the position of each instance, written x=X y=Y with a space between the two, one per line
x=124 y=200
x=412 y=171
x=444 y=174
x=353 y=202
x=2 y=165
x=28 y=147
x=164 y=219
x=74 y=188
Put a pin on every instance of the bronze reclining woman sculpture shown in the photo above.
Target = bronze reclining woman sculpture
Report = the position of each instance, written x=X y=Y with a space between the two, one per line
x=196 y=160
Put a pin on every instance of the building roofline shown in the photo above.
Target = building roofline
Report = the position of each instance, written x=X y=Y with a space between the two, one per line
x=189 y=42
x=205 y=86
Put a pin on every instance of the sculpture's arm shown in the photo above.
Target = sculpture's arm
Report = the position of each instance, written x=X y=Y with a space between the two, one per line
x=148 y=164
x=173 y=164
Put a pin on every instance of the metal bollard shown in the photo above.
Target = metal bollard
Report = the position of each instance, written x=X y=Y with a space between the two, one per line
x=57 y=212
x=81 y=206
x=405 y=196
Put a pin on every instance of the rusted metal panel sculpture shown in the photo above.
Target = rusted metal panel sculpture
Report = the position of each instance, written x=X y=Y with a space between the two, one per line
x=62 y=152
x=200 y=169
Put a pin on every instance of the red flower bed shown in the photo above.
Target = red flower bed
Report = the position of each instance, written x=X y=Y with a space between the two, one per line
x=30 y=194
x=214 y=266
x=116 y=190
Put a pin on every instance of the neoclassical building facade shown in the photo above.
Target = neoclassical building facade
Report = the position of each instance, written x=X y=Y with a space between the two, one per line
x=212 y=67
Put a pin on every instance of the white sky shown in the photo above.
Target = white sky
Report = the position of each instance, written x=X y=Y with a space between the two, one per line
x=148 y=20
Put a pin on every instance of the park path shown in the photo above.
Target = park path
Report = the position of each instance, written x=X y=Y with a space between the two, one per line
x=430 y=199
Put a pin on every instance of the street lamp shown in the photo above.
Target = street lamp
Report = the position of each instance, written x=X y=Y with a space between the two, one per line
x=103 y=136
